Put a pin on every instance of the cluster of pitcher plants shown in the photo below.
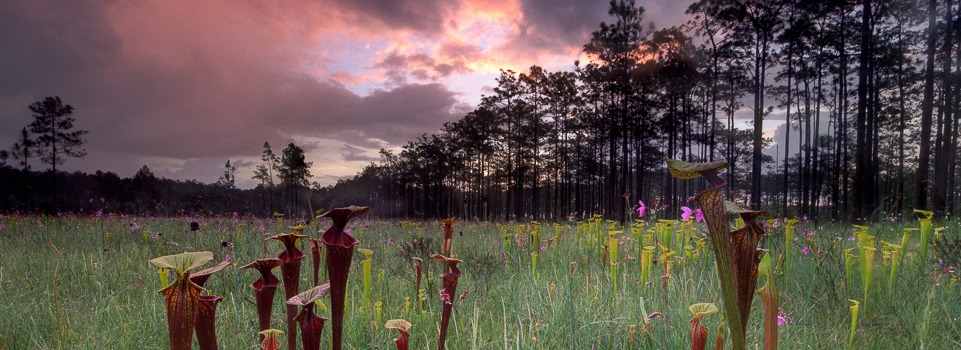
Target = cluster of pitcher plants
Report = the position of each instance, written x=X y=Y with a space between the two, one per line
x=191 y=308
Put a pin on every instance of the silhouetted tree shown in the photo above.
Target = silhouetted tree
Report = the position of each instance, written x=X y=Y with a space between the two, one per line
x=294 y=173
x=23 y=149
x=55 y=141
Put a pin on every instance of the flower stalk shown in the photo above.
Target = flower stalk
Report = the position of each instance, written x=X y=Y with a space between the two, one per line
x=340 y=250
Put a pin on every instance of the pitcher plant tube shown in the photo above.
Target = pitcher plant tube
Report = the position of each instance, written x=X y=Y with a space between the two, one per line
x=315 y=250
x=448 y=235
x=365 y=264
x=401 y=326
x=270 y=339
x=698 y=331
x=311 y=325
x=788 y=244
x=447 y=295
x=736 y=253
x=419 y=267
x=926 y=229
x=769 y=299
x=291 y=258
x=340 y=249
x=205 y=323
x=264 y=288
x=182 y=296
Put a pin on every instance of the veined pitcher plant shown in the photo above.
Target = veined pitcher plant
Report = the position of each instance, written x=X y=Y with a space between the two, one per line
x=401 y=326
x=769 y=299
x=264 y=288
x=736 y=254
x=205 y=324
x=182 y=296
x=447 y=295
x=698 y=331
x=311 y=325
x=291 y=258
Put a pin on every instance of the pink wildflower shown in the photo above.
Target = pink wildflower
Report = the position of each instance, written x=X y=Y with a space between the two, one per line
x=686 y=213
x=699 y=215
x=641 y=208
x=805 y=250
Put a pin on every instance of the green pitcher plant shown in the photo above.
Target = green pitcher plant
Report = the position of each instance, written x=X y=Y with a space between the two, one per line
x=854 y=322
x=926 y=230
x=365 y=264
x=736 y=253
x=788 y=244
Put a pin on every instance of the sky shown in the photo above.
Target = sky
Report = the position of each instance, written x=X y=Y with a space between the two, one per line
x=183 y=86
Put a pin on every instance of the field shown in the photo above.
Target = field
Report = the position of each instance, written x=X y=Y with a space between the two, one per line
x=84 y=283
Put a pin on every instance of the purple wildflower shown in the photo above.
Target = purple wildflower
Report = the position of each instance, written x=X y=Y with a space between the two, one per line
x=805 y=250
x=641 y=208
x=686 y=213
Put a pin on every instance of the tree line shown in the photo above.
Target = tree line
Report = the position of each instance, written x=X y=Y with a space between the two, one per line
x=870 y=92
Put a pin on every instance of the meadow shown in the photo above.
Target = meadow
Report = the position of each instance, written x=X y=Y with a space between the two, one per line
x=84 y=282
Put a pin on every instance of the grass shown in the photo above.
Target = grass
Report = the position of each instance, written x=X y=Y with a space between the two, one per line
x=63 y=286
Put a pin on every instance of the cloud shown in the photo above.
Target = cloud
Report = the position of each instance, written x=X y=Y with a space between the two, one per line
x=426 y=17
x=210 y=81
x=351 y=153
